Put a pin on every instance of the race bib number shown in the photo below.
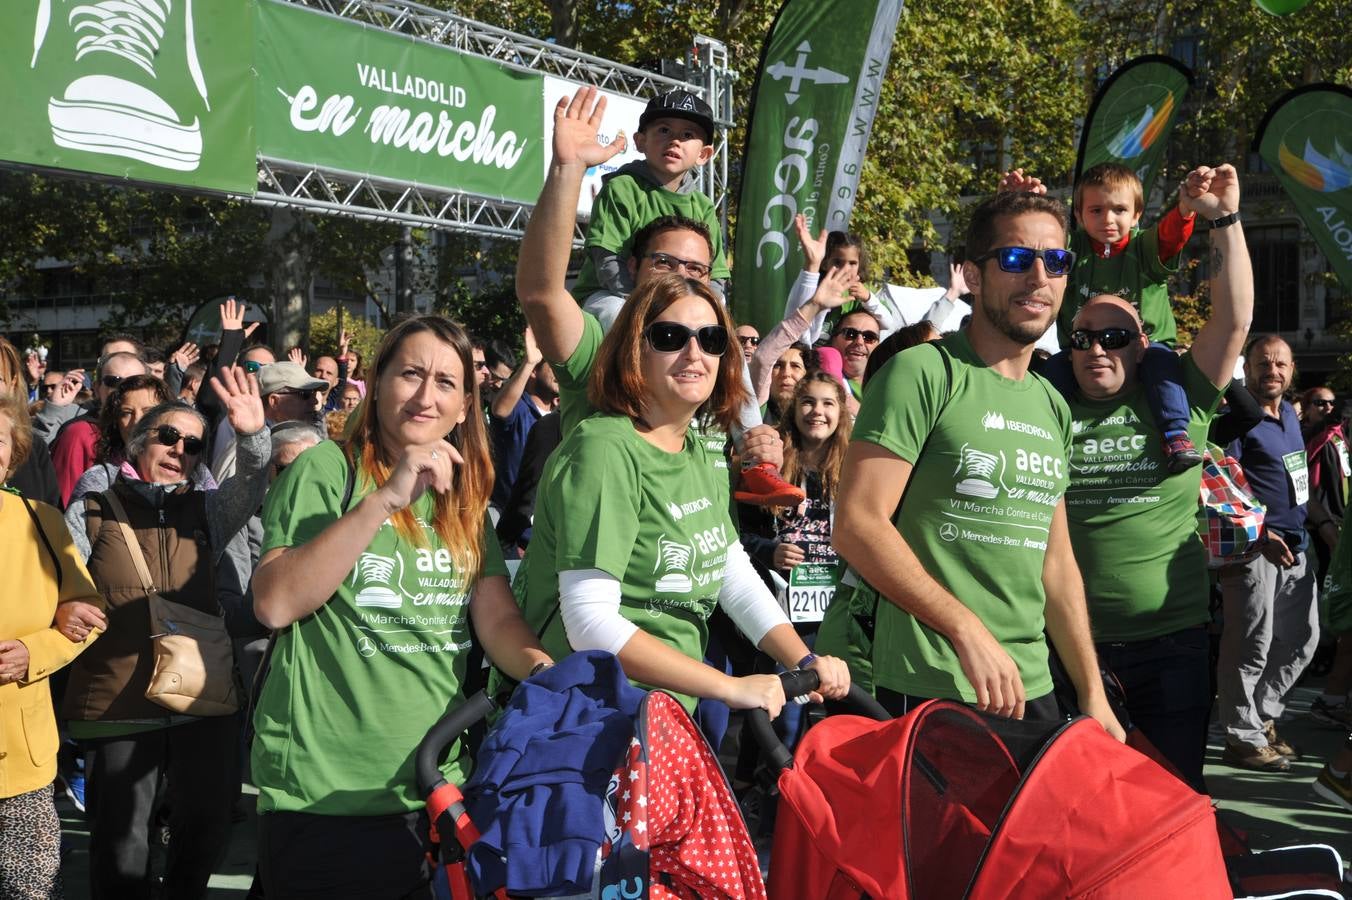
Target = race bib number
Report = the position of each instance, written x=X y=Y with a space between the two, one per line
x=1299 y=476
x=812 y=587
x=1344 y=463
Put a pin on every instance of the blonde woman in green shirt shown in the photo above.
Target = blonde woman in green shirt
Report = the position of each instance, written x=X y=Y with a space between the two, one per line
x=372 y=596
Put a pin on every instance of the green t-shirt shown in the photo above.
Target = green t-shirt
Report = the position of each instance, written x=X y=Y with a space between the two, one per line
x=659 y=522
x=977 y=508
x=573 y=374
x=1133 y=525
x=355 y=686
x=1135 y=274
x=656 y=521
x=624 y=205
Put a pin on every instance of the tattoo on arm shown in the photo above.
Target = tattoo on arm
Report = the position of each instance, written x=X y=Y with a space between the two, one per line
x=1217 y=258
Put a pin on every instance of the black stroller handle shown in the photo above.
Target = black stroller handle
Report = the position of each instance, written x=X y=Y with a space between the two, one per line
x=444 y=733
x=796 y=684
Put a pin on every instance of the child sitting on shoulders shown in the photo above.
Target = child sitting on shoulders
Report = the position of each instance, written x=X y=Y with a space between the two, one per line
x=1113 y=255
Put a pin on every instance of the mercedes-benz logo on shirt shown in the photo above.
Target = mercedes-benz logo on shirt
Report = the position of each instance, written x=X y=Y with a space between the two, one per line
x=948 y=531
x=366 y=647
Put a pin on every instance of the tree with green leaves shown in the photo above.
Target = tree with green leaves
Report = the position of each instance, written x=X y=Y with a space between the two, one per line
x=156 y=255
x=973 y=88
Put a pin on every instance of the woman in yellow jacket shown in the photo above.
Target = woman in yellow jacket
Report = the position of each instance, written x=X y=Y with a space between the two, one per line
x=49 y=612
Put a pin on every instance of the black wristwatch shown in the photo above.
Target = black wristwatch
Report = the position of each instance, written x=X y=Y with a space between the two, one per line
x=1225 y=221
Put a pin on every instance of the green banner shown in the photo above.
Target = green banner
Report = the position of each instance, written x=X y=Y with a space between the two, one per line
x=1305 y=137
x=153 y=90
x=389 y=106
x=1132 y=115
x=813 y=105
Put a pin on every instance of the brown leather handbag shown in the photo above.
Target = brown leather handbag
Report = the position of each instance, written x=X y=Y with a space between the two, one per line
x=194 y=658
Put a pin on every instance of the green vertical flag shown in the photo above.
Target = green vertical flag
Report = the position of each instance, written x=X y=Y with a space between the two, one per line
x=813 y=105
x=1132 y=115
x=1305 y=137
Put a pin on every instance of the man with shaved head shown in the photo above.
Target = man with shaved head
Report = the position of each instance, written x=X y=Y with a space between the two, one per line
x=1133 y=525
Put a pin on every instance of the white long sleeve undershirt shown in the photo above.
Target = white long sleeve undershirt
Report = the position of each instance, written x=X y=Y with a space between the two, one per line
x=589 y=603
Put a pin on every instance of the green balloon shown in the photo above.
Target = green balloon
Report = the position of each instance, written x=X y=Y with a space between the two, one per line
x=1280 y=7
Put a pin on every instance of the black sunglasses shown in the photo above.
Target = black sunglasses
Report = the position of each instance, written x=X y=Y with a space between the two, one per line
x=1107 y=338
x=669 y=337
x=112 y=381
x=854 y=334
x=1322 y=402
x=168 y=435
x=1020 y=259
x=745 y=339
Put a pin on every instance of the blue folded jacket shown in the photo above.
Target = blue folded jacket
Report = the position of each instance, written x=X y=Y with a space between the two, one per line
x=538 y=791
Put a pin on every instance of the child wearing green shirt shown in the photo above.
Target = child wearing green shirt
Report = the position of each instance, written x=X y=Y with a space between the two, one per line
x=1113 y=255
x=675 y=136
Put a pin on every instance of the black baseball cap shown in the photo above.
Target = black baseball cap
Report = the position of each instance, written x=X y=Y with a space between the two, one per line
x=680 y=105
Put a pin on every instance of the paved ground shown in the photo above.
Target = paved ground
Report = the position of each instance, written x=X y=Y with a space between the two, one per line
x=1275 y=810
x=231 y=881
x=1280 y=810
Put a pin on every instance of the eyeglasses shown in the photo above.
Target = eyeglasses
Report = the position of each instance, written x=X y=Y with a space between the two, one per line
x=111 y=381
x=1020 y=259
x=481 y=364
x=669 y=337
x=748 y=340
x=854 y=334
x=168 y=435
x=305 y=395
x=1322 y=402
x=252 y=366
x=1107 y=338
x=665 y=262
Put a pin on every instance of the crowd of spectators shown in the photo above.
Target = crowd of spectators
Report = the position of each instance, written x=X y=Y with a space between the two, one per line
x=893 y=503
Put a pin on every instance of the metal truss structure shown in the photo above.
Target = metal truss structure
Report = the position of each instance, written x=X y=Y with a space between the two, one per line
x=325 y=190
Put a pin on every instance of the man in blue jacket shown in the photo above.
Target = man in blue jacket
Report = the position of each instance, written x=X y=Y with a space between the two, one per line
x=1271 y=618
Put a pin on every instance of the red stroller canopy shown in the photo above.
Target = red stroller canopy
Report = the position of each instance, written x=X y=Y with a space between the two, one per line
x=946 y=802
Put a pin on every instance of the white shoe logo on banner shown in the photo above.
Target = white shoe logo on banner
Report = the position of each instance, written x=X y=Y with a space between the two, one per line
x=110 y=114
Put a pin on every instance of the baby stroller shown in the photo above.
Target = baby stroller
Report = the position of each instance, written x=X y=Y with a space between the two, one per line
x=1301 y=872
x=665 y=821
x=947 y=802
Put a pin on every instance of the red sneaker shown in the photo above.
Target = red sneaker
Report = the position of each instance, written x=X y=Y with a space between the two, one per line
x=1180 y=452
x=761 y=486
